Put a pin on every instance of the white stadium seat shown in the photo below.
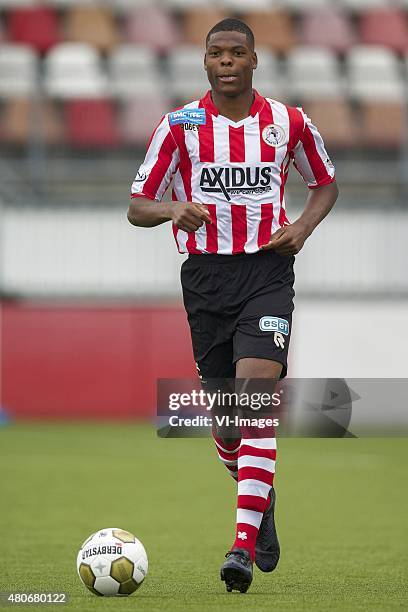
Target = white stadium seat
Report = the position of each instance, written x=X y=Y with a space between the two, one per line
x=267 y=77
x=374 y=74
x=243 y=6
x=73 y=70
x=188 y=79
x=360 y=5
x=127 y=5
x=189 y=5
x=134 y=72
x=68 y=3
x=304 y=5
x=313 y=72
x=18 y=71
x=13 y=4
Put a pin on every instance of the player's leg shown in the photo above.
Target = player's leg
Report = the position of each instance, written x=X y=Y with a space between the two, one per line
x=260 y=354
x=261 y=343
x=217 y=373
x=256 y=470
x=211 y=336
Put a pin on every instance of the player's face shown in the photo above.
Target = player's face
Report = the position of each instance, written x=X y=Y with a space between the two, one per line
x=229 y=62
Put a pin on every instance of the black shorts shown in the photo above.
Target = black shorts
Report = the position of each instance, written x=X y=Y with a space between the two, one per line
x=238 y=306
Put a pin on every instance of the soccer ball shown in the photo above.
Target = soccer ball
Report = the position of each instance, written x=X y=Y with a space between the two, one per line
x=112 y=562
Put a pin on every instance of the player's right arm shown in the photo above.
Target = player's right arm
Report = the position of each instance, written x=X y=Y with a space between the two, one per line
x=187 y=216
x=151 y=182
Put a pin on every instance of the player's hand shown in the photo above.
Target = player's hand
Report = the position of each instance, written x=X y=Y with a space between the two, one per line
x=189 y=216
x=287 y=240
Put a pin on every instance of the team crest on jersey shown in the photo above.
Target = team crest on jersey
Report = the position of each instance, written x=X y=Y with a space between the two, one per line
x=273 y=135
x=195 y=116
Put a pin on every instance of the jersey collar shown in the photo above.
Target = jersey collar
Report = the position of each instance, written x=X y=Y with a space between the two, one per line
x=209 y=105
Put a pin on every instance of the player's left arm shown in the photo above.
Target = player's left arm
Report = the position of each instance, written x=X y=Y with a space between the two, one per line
x=290 y=239
x=314 y=165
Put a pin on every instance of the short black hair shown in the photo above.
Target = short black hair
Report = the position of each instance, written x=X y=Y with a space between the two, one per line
x=232 y=25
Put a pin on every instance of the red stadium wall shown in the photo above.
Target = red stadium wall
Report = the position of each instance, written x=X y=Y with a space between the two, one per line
x=90 y=361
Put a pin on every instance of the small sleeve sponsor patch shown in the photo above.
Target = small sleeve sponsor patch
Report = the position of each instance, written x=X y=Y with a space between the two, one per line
x=195 y=116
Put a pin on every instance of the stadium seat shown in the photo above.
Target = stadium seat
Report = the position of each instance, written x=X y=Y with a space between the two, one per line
x=18 y=71
x=184 y=5
x=153 y=26
x=134 y=72
x=360 y=5
x=91 y=123
x=383 y=124
x=12 y=4
x=188 y=79
x=337 y=33
x=198 y=22
x=313 y=72
x=267 y=77
x=21 y=121
x=374 y=74
x=36 y=26
x=2 y=31
x=94 y=25
x=125 y=6
x=73 y=70
x=336 y=121
x=64 y=4
x=385 y=26
x=139 y=117
x=302 y=5
x=241 y=6
x=273 y=29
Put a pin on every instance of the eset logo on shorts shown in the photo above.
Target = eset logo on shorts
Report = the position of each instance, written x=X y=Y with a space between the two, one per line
x=274 y=324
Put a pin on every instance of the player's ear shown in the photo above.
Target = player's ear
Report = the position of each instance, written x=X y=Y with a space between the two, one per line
x=205 y=61
x=254 y=60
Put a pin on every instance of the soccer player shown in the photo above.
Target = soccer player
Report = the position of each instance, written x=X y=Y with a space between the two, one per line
x=228 y=155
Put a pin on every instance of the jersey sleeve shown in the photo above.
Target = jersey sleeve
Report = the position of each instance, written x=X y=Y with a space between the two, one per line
x=159 y=166
x=310 y=157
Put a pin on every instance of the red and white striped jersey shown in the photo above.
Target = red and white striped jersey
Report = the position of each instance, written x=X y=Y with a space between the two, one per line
x=237 y=169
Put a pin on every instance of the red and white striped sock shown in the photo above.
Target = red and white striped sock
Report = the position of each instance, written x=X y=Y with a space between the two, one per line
x=228 y=453
x=256 y=470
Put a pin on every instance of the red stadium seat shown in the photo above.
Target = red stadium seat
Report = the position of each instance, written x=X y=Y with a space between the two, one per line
x=34 y=26
x=139 y=117
x=385 y=26
x=91 y=123
x=152 y=26
x=337 y=33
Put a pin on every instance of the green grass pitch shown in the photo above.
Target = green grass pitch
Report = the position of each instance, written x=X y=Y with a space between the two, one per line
x=342 y=514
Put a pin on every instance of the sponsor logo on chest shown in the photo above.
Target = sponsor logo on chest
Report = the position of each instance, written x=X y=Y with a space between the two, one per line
x=229 y=181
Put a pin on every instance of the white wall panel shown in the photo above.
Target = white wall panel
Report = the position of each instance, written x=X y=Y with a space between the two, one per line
x=97 y=252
